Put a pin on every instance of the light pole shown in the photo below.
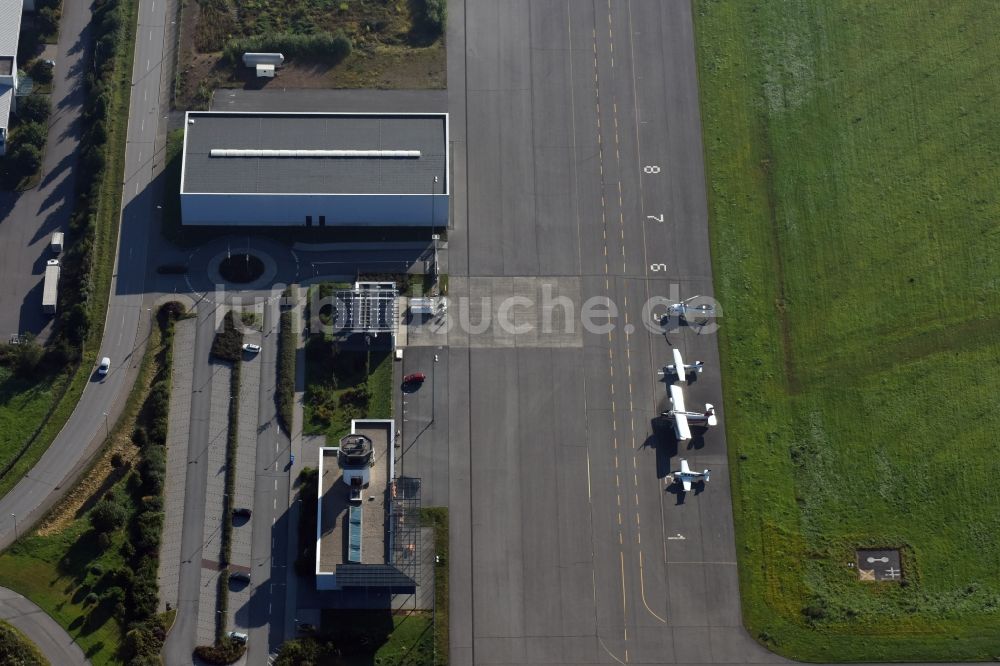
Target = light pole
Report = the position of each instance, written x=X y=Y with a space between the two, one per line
x=107 y=429
x=15 y=526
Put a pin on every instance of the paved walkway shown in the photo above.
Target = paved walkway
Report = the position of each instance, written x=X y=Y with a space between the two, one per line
x=246 y=462
x=218 y=433
x=51 y=639
x=178 y=430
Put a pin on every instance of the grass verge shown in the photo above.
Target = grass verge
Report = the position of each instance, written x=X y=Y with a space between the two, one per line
x=437 y=517
x=96 y=575
x=852 y=161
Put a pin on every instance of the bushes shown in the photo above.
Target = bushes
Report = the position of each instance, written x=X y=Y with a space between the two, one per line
x=25 y=159
x=225 y=652
x=228 y=343
x=286 y=370
x=148 y=527
x=109 y=515
x=33 y=109
x=145 y=639
x=30 y=134
x=47 y=20
x=41 y=72
x=321 y=46
x=305 y=561
x=303 y=651
x=435 y=15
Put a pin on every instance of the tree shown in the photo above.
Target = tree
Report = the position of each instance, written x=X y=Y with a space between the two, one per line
x=25 y=158
x=33 y=108
x=48 y=20
x=108 y=515
x=41 y=71
x=30 y=134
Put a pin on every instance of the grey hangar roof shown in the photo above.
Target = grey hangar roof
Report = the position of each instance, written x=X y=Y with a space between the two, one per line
x=351 y=153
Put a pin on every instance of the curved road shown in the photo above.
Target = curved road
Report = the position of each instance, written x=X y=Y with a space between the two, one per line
x=57 y=646
x=103 y=399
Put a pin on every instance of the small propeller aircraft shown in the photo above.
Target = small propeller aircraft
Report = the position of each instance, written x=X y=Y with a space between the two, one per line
x=680 y=368
x=686 y=477
x=682 y=418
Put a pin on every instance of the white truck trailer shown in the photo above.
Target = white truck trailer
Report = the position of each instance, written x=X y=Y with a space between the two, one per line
x=50 y=290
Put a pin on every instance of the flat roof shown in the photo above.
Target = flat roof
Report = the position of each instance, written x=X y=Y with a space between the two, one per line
x=393 y=153
x=335 y=502
x=6 y=99
x=10 y=26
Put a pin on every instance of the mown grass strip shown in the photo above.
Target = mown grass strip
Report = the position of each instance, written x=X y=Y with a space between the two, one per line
x=852 y=161
x=437 y=517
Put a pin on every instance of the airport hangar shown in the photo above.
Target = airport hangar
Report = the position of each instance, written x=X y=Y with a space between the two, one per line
x=315 y=169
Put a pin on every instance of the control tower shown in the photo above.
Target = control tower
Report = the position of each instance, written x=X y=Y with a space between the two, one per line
x=355 y=461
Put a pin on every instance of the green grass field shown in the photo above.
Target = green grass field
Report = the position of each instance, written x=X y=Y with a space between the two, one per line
x=853 y=164
x=58 y=572
x=24 y=405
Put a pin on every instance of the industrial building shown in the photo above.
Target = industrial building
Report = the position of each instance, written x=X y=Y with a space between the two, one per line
x=367 y=520
x=10 y=31
x=315 y=169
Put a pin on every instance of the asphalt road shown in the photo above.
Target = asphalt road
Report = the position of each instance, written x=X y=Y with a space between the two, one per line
x=27 y=219
x=127 y=313
x=578 y=142
x=182 y=638
x=270 y=570
x=57 y=646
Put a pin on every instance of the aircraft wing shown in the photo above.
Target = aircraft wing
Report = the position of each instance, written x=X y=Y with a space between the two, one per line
x=680 y=419
x=687 y=485
x=677 y=396
x=678 y=364
x=685 y=468
x=681 y=427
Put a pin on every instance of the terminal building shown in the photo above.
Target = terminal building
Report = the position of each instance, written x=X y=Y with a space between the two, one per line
x=367 y=519
x=315 y=169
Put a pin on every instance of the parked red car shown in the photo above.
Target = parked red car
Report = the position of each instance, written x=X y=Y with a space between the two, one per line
x=415 y=378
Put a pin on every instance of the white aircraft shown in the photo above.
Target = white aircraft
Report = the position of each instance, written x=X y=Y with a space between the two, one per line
x=686 y=477
x=684 y=310
x=679 y=367
x=683 y=418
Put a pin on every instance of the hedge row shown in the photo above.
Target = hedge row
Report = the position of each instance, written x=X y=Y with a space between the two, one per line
x=228 y=343
x=286 y=370
x=305 y=559
x=323 y=46
x=225 y=652
x=146 y=634
x=77 y=284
